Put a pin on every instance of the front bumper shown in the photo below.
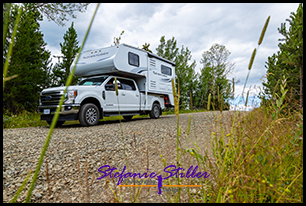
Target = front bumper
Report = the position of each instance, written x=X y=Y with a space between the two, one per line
x=67 y=112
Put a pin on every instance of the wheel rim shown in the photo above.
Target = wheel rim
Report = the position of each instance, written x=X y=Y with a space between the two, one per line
x=156 y=111
x=91 y=115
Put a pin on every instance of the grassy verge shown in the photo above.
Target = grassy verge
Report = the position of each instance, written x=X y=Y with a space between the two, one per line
x=28 y=119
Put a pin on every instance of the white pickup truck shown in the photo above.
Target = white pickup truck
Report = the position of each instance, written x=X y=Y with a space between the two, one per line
x=143 y=79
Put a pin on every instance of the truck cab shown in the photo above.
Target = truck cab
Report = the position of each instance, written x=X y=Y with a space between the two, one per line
x=96 y=97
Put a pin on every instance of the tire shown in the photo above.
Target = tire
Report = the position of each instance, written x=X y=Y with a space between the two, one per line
x=89 y=115
x=155 y=112
x=58 y=123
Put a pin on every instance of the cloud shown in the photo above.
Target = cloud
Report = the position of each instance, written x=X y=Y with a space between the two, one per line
x=56 y=51
x=196 y=26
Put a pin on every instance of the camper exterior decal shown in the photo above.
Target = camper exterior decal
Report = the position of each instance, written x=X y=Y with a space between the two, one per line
x=139 y=69
x=95 y=55
x=102 y=59
x=166 y=80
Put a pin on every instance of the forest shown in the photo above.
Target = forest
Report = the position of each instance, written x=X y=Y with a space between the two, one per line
x=30 y=69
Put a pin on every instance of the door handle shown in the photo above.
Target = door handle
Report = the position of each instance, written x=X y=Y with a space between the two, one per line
x=137 y=95
x=123 y=94
x=103 y=95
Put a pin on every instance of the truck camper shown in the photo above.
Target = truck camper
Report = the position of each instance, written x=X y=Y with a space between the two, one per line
x=143 y=79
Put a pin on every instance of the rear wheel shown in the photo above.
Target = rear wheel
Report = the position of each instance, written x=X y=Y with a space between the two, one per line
x=89 y=115
x=58 y=123
x=155 y=112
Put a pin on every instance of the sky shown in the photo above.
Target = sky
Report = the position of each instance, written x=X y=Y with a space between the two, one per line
x=237 y=26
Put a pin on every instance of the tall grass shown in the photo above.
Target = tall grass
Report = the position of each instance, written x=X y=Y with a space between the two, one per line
x=68 y=82
x=55 y=118
x=259 y=159
x=256 y=157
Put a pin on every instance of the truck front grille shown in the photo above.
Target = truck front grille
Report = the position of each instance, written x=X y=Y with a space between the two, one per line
x=50 y=98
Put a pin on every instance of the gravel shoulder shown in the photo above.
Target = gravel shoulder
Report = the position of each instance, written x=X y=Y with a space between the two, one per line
x=72 y=145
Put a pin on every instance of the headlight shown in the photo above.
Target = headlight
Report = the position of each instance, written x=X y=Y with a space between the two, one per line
x=70 y=96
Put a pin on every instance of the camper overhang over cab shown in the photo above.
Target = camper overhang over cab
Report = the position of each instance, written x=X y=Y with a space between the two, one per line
x=152 y=73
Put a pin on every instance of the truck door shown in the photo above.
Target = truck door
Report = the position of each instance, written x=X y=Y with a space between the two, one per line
x=111 y=102
x=131 y=94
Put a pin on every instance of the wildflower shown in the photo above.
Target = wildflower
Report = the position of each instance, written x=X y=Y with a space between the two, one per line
x=229 y=191
x=263 y=181
x=161 y=155
x=229 y=134
x=213 y=133
x=270 y=185
x=191 y=153
x=287 y=190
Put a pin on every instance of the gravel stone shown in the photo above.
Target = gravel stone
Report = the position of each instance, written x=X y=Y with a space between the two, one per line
x=72 y=145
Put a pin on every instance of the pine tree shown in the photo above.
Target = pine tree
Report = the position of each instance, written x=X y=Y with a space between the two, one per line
x=29 y=60
x=289 y=60
x=185 y=72
x=69 y=49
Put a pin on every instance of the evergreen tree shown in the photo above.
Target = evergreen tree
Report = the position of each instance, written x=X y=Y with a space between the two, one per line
x=29 y=60
x=185 y=72
x=69 y=49
x=289 y=60
x=186 y=76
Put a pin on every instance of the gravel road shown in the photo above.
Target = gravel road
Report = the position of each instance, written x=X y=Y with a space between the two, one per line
x=146 y=139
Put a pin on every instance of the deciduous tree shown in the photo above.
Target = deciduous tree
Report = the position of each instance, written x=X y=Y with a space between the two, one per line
x=215 y=71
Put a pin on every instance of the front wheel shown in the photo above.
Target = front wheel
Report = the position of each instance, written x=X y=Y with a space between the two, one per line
x=155 y=112
x=89 y=115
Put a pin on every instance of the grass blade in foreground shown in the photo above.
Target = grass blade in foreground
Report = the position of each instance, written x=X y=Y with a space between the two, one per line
x=55 y=118
x=21 y=187
x=11 y=48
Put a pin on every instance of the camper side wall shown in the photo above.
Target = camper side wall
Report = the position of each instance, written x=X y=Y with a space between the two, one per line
x=131 y=60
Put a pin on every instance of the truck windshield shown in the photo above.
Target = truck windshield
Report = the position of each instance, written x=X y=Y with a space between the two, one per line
x=94 y=81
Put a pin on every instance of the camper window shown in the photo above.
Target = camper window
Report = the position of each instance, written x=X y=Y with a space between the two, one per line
x=166 y=70
x=133 y=59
